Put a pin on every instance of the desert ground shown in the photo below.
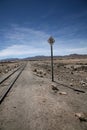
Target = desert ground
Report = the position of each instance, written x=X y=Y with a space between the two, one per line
x=37 y=103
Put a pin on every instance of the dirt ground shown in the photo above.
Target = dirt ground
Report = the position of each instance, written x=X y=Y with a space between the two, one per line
x=36 y=103
x=72 y=72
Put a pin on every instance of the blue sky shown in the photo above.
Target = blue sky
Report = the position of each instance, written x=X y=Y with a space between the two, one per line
x=26 y=25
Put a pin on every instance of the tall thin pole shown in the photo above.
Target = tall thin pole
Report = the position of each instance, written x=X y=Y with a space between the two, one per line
x=52 y=63
x=51 y=41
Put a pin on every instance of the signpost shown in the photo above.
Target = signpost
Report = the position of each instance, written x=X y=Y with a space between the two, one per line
x=51 y=41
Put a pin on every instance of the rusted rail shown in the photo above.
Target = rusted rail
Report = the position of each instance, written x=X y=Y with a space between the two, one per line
x=7 y=76
x=8 y=87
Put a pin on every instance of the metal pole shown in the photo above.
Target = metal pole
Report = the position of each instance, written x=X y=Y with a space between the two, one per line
x=52 y=62
x=51 y=41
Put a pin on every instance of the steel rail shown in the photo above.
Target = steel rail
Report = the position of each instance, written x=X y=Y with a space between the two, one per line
x=2 y=97
x=6 y=77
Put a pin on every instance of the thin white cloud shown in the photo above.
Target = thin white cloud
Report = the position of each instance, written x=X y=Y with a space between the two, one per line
x=25 y=51
x=24 y=42
x=67 y=51
x=77 y=50
x=21 y=51
x=26 y=36
x=22 y=34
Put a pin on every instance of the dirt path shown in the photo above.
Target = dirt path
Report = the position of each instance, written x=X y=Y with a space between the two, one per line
x=32 y=105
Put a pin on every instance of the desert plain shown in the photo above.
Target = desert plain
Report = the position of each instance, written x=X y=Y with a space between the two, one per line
x=37 y=103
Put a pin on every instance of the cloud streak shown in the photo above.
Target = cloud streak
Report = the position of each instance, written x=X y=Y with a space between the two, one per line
x=22 y=34
x=22 y=51
x=77 y=50
x=24 y=42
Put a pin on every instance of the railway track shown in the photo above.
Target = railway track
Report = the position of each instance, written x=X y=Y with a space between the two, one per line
x=8 y=81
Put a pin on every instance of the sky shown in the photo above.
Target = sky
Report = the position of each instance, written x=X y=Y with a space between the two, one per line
x=26 y=25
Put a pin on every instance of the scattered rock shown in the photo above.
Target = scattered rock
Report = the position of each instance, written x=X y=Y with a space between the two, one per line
x=40 y=75
x=44 y=100
x=14 y=107
x=71 y=72
x=72 y=79
x=65 y=67
x=39 y=71
x=44 y=73
x=81 y=116
x=72 y=67
x=71 y=84
x=35 y=70
x=6 y=71
x=49 y=70
x=62 y=93
x=83 y=85
x=82 y=82
x=54 y=88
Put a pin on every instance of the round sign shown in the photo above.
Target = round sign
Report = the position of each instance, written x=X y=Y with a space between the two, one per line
x=51 y=40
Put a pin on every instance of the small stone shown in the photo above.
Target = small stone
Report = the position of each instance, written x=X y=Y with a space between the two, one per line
x=54 y=88
x=83 y=85
x=39 y=71
x=14 y=107
x=82 y=82
x=35 y=70
x=44 y=100
x=71 y=72
x=81 y=116
x=6 y=71
x=41 y=76
x=44 y=73
x=62 y=93
x=78 y=114
x=49 y=70
x=71 y=84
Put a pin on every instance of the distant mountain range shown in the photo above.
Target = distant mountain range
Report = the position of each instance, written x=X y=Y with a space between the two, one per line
x=66 y=56
x=45 y=57
x=9 y=60
x=77 y=56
